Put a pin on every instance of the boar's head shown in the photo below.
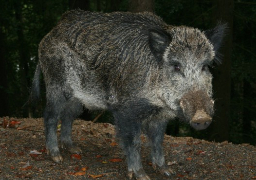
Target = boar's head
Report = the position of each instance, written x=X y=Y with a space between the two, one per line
x=184 y=55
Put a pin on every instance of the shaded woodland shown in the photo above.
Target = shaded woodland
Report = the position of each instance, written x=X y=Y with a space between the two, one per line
x=23 y=23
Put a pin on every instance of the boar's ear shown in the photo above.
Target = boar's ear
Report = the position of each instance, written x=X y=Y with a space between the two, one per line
x=158 y=42
x=216 y=35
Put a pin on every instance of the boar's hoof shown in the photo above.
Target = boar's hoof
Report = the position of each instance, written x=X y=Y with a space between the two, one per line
x=164 y=170
x=201 y=120
x=55 y=155
x=75 y=150
x=57 y=159
x=140 y=175
x=143 y=178
x=167 y=171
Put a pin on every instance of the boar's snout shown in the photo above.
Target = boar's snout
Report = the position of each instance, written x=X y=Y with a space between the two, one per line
x=197 y=108
x=201 y=120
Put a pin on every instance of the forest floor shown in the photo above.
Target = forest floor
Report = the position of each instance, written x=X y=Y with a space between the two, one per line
x=23 y=155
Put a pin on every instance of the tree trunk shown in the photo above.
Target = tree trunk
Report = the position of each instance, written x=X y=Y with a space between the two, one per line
x=141 y=5
x=219 y=130
x=112 y=5
x=23 y=57
x=4 y=105
x=248 y=90
x=247 y=111
x=79 y=4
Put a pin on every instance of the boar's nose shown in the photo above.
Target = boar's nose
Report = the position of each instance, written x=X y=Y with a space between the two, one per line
x=201 y=120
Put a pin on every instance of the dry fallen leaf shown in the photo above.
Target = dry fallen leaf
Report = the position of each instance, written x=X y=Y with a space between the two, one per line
x=76 y=156
x=77 y=168
x=70 y=173
x=59 y=127
x=34 y=155
x=143 y=138
x=79 y=173
x=175 y=145
x=84 y=168
x=24 y=127
x=95 y=176
x=113 y=144
x=21 y=153
x=26 y=166
x=105 y=125
x=14 y=124
x=23 y=176
x=44 y=150
x=251 y=167
x=99 y=156
x=35 y=152
x=10 y=123
x=229 y=166
x=10 y=154
x=200 y=152
x=180 y=175
x=172 y=163
x=189 y=159
x=108 y=140
x=115 y=160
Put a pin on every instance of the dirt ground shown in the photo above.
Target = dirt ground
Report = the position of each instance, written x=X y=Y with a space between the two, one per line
x=23 y=155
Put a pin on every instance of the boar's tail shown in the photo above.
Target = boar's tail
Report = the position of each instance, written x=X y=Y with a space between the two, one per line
x=35 y=89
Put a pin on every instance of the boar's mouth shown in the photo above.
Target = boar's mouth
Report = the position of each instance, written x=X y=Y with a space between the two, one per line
x=201 y=120
x=197 y=107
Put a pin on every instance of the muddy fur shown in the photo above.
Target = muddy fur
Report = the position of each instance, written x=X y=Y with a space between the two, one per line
x=134 y=65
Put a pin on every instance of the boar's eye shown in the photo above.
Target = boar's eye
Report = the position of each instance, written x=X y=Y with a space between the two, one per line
x=176 y=67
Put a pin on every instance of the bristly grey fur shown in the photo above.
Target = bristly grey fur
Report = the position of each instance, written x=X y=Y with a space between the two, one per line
x=35 y=89
x=133 y=64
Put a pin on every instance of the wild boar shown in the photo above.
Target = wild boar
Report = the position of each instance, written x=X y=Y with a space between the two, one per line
x=134 y=65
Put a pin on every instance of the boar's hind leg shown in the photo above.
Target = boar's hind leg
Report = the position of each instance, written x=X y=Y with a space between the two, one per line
x=155 y=131
x=69 y=112
x=51 y=115
x=128 y=131
x=59 y=106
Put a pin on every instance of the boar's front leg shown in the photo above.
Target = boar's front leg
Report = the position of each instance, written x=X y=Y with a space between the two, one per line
x=155 y=130
x=128 y=128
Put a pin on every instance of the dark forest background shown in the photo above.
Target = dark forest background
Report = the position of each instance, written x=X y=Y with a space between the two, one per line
x=23 y=23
